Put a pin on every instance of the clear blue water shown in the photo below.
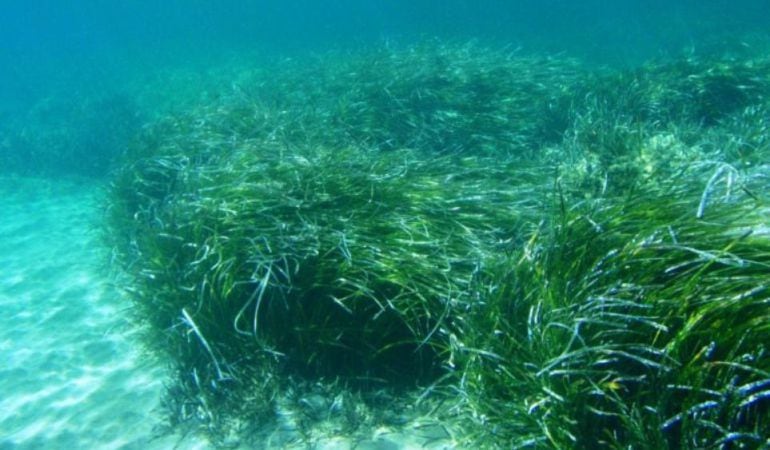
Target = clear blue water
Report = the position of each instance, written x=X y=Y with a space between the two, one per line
x=93 y=45
x=86 y=74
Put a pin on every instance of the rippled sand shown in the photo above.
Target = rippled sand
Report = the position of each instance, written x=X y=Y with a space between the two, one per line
x=71 y=376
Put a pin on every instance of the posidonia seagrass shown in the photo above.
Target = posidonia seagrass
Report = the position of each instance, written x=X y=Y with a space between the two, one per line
x=540 y=253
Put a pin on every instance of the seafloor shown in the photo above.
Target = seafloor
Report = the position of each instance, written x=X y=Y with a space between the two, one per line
x=70 y=376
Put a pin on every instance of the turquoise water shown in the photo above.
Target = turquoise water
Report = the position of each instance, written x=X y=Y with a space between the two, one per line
x=79 y=80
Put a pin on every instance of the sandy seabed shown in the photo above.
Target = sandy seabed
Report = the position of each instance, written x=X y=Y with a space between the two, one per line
x=71 y=375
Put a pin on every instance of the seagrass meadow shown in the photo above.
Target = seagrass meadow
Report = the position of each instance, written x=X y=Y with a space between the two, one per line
x=526 y=251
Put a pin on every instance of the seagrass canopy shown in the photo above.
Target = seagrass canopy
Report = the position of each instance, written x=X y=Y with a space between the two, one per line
x=541 y=253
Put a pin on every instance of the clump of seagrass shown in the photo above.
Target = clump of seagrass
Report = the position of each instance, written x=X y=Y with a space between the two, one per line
x=342 y=263
x=637 y=320
x=270 y=231
x=437 y=98
x=68 y=134
x=635 y=125
x=576 y=260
